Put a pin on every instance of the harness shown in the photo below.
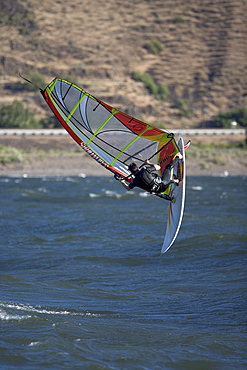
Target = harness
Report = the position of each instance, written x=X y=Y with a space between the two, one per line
x=144 y=179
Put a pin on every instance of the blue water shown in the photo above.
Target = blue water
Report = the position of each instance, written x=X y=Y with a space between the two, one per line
x=83 y=284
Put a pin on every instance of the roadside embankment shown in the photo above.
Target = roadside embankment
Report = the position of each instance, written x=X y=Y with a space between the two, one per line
x=46 y=155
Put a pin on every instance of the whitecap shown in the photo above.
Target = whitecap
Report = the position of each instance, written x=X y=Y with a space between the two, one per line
x=93 y=195
x=33 y=344
x=197 y=188
x=224 y=195
x=70 y=179
x=144 y=194
x=83 y=175
x=43 y=190
x=110 y=193
x=4 y=316
x=37 y=310
x=224 y=174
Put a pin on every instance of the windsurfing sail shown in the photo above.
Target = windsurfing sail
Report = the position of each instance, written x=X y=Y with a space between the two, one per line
x=112 y=138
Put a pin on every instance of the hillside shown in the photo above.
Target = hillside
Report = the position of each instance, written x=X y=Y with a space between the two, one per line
x=201 y=55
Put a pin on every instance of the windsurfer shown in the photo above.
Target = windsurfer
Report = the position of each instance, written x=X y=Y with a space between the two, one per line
x=146 y=179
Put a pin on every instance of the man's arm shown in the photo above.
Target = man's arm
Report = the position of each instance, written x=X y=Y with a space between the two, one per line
x=125 y=184
x=157 y=166
x=123 y=181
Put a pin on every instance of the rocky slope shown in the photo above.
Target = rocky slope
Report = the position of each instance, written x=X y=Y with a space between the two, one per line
x=201 y=55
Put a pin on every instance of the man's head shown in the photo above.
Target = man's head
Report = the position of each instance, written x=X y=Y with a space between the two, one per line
x=133 y=168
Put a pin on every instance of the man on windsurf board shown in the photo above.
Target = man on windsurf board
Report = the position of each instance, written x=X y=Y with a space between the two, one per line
x=146 y=179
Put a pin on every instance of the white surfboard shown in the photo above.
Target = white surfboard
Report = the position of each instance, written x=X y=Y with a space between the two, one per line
x=176 y=210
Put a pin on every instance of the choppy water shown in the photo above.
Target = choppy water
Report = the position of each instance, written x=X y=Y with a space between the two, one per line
x=83 y=285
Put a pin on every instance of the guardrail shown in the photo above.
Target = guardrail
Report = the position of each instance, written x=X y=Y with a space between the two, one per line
x=62 y=132
x=32 y=132
x=211 y=131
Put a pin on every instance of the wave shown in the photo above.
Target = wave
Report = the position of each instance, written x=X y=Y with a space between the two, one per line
x=4 y=316
x=34 y=311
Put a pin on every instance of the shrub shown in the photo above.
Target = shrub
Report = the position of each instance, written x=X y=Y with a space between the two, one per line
x=50 y=122
x=15 y=14
x=161 y=91
x=164 y=92
x=9 y=154
x=3 y=18
x=16 y=115
x=148 y=81
x=154 y=47
x=184 y=110
x=179 y=19
x=36 y=78
x=224 y=119
x=37 y=81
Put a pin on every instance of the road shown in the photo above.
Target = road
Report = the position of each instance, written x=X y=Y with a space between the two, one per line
x=182 y=132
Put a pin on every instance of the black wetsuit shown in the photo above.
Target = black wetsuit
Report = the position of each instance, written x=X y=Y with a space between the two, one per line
x=149 y=181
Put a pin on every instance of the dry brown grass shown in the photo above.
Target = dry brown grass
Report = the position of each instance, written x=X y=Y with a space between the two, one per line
x=60 y=155
x=100 y=44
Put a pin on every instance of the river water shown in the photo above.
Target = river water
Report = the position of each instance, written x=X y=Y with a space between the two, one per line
x=83 y=284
